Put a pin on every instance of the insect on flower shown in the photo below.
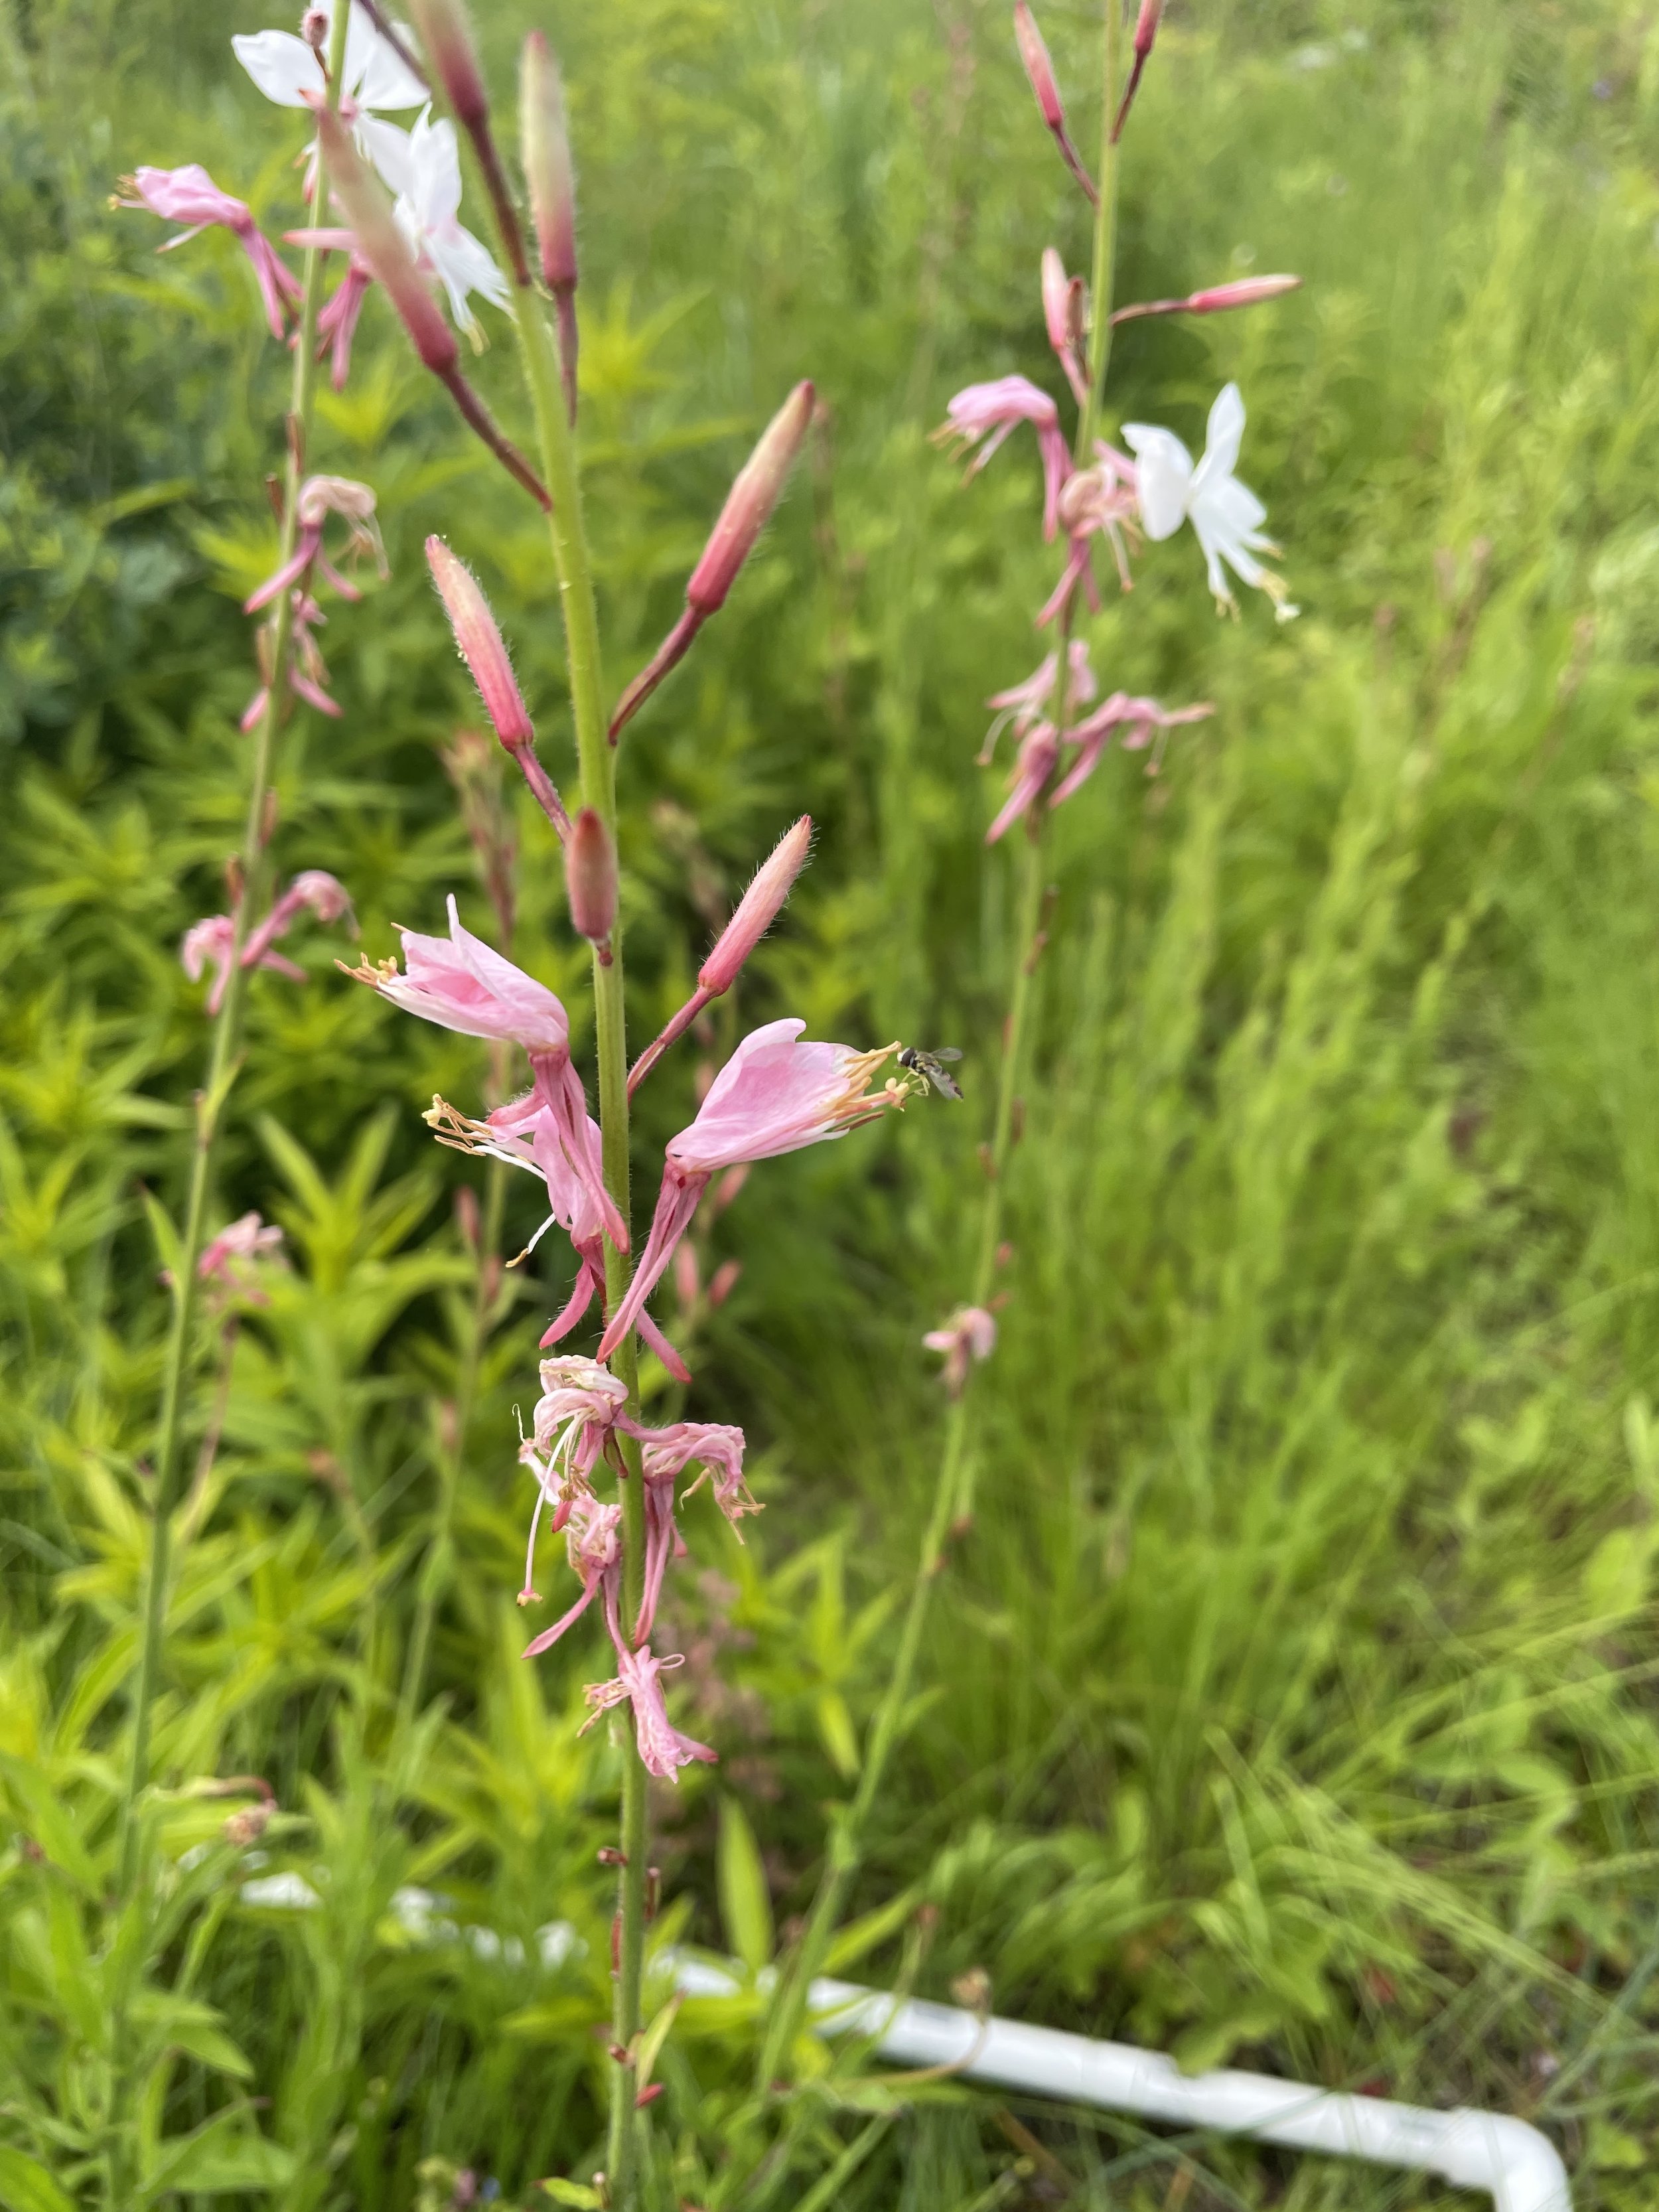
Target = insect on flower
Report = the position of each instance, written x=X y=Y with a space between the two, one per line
x=926 y=1064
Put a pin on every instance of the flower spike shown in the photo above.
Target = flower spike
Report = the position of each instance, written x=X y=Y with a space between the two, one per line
x=749 y=505
x=1041 y=71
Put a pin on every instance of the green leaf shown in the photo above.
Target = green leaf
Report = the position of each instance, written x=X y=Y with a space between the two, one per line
x=571 y=2192
x=877 y=1927
x=745 y=1901
x=835 y=1727
x=26 y=2186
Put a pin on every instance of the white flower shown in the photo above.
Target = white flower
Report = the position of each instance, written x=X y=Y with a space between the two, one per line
x=423 y=167
x=1226 y=515
x=285 y=68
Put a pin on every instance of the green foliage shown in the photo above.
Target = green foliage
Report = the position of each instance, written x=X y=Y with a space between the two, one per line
x=1291 y=1696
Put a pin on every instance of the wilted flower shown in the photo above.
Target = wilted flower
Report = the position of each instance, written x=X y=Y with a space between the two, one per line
x=1225 y=516
x=1100 y=499
x=775 y=1095
x=663 y=1749
x=1022 y=704
x=190 y=195
x=246 y=1239
x=307 y=675
x=337 y=320
x=319 y=498
x=970 y=1335
x=990 y=412
x=593 y=1548
x=209 y=943
x=1134 y=722
x=1037 y=758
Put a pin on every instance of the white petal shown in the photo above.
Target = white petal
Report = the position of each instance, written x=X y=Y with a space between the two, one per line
x=1223 y=436
x=1220 y=545
x=1232 y=508
x=387 y=81
x=388 y=148
x=281 y=65
x=463 y=266
x=436 y=191
x=1164 y=476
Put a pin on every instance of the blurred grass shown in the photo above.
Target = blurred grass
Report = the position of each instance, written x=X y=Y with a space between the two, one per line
x=1293 y=1695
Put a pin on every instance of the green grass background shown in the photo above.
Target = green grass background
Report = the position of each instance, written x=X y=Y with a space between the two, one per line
x=1291 y=1703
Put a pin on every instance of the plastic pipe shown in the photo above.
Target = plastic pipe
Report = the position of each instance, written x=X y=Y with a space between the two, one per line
x=1516 y=2165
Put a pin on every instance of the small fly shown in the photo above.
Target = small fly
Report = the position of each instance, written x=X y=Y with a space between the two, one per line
x=929 y=1064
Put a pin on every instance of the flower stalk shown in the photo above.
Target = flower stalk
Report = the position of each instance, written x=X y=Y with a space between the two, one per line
x=224 y=1060
x=953 y=1481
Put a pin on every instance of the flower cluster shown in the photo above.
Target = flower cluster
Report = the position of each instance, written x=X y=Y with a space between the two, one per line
x=776 y=1094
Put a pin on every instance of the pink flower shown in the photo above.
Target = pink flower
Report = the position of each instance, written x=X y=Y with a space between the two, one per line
x=243 y=1241
x=1101 y=499
x=209 y=943
x=663 y=1749
x=336 y=322
x=319 y=497
x=715 y=1446
x=1038 y=756
x=190 y=195
x=990 y=412
x=1137 y=719
x=970 y=1335
x=757 y=910
x=461 y=984
x=775 y=1095
x=307 y=675
x=594 y=1547
x=1022 y=704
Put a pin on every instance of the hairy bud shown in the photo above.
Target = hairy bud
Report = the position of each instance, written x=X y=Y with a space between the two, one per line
x=757 y=910
x=1033 y=55
x=544 y=145
x=481 y=644
x=447 y=38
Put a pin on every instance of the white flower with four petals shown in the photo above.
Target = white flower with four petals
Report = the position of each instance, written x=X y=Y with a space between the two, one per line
x=1226 y=515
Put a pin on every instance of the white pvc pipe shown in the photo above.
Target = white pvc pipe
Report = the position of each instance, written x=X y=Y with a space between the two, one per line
x=1517 y=2166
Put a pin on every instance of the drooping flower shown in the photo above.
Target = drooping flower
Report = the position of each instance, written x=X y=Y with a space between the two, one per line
x=663 y=1748
x=211 y=942
x=1024 y=704
x=1134 y=722
x=1098 y=500
x=593 y=1548
x=1226 y=517
x=970 y=1335
x=307 y=675
x=990 y=412
x=190 y=195
x=319 y=498
x=290 y=73
x=716 y=1447
x=775 y=1095
x=462 y=984
x=1036 y=761
x=338 y=319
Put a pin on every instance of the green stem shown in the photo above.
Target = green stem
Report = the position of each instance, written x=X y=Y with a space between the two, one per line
x=227 y=1040
x=953 y=1482
x=597 y=761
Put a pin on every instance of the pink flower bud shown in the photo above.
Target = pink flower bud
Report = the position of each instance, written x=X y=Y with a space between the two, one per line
x=688 y=1279
x=384 y=246
x=757 y=910
x=724 y=1281
x=749 y=503
x=481 y=644
x=1146 y=26
x=590 y=875
x=544 y=145
x=1041 y=71
x=726 y=1189
x=1056 y=300
x=447 y=38
x=1247 y=292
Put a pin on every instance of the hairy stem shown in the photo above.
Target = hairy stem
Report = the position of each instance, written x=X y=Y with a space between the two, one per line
x=597 y=761
x=953 y=1481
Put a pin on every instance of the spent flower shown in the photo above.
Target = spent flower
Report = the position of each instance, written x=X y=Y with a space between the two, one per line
x=988 y=412
x=190 y=195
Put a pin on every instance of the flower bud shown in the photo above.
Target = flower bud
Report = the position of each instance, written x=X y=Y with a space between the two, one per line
x=481 y=644
x=724 y=1281
x=313 y=29
x=447 y=38
x=1033 y=53
x=384 y=246
x=757 y=910
x=544 y=146
x=687 y=1276
x=749 y=503
x=1145 y=31
x=590 y=875
x=1056 y=297
x=1246 y=292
